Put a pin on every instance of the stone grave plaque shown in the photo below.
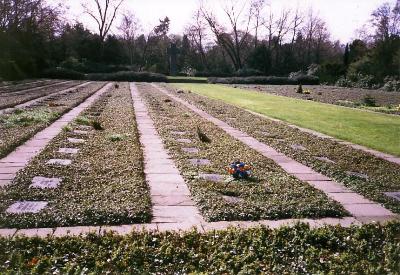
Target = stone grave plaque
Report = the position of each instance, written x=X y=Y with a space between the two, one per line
x=394 y=195
x=62 y=162
x=184 y=140
x=232 y=199
x=178 y=133
x=356 y=174
x=325 y=159
x=22 y=207
x=68 y=151
x=81 y=132
x=85 y=127
x=212 y=177
x=43 y=183
x=199 y=162
x=298 y=147
x=191 y=150
x=76 y=140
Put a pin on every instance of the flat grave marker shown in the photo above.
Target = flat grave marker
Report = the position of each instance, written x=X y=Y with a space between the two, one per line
x=231 y=199
x=76 y=140
x=179 y=133
x=394 y=195
x=184 y=140
x=190 y=150
x=62 y=162
x=200 y=162
x=81 y=132
x=325 y=159
x=356 y=174
x=72 y=151
x=22 y=207
x=212 y=177
x=43 y=183
x=298 y=147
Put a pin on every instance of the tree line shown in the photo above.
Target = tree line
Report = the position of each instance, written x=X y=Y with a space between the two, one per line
x=247 y=38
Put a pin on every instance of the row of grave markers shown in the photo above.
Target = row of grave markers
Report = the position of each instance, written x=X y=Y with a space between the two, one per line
x=23 y=207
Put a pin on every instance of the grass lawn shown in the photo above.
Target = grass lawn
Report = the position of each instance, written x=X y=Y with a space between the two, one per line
x=374 y=130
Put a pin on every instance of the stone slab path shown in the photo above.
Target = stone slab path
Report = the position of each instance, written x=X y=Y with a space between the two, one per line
x=358 y=206
x=378 y=154
x=39 y=99
x=19 y=158
x=169 y=193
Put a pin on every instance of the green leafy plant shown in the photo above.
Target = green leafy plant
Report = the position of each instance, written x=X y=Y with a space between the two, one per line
x=23 y=118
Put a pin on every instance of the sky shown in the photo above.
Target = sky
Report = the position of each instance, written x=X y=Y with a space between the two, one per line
x=343 y=17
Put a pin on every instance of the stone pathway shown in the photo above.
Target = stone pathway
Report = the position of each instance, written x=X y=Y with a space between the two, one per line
x=172 y=206
x=378 y=154
x=38 y=100
x=19 y=158
x=358 y=206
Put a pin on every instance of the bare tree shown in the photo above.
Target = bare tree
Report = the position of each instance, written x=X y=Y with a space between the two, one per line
x=129 y=27
x=297 y=21
x=196 y=32
x=233 y=41
x=256 y=9
x=104 y=14
x=270 y=26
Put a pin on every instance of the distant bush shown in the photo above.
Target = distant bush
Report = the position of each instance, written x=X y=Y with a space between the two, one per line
x=391 y=84
x=61 y=73
x=248 y=72
x=128 y=76
x=358 y=81
x=272 y=80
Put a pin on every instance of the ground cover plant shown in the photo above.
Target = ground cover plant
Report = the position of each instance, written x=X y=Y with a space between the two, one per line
x=11 y=99
x=387 y=102
x=20 y=125
x=104 y=184
x=369 y=249
x=26 y=85
x=128 y=76
x=271 y=194
x=360 y=171
x=374 y=130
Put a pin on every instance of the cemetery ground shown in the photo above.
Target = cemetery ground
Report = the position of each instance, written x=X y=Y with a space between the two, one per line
x=131 y=178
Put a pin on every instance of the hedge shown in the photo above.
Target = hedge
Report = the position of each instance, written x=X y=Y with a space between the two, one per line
x=369 y=249
x=62 y=73
x=128 y=76
x=272 y=80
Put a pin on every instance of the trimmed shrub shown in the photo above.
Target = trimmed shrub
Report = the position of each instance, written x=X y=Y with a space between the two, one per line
x=129 y=76
x=61 y=73
x=272 y=80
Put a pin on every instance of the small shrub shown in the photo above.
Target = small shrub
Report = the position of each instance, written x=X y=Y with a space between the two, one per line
x=369 y=101
x=116 y=137
x=67 y=128
x=128 y=76
x=82 y=120
x=272 y=80
x=61 y=73
x=299 y=89
x=26 y=118
x=97 y=125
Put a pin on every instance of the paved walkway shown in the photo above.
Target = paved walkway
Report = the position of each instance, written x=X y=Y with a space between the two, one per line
x=169 y=193
x=358 y=206
x=39 y=99
x=19 y=158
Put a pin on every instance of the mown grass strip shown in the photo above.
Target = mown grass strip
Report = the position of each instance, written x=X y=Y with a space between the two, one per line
x=372 y=249
x=377 y=131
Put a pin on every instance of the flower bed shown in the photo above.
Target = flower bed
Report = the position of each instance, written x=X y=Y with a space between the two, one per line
x=371 y=249
x=14 y=98
x=360 y=171
x=8 y=88
x=19 y=126
x=272 y=194
x=104 y=184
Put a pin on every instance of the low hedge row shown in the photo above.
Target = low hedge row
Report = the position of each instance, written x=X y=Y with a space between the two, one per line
x=62 y=73
x=369 y=249
x=272 y=80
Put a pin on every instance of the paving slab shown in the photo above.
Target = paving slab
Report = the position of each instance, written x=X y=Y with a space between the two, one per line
x=76 y=231
x=7 y=232
x=394 y=195
x=35 y=232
